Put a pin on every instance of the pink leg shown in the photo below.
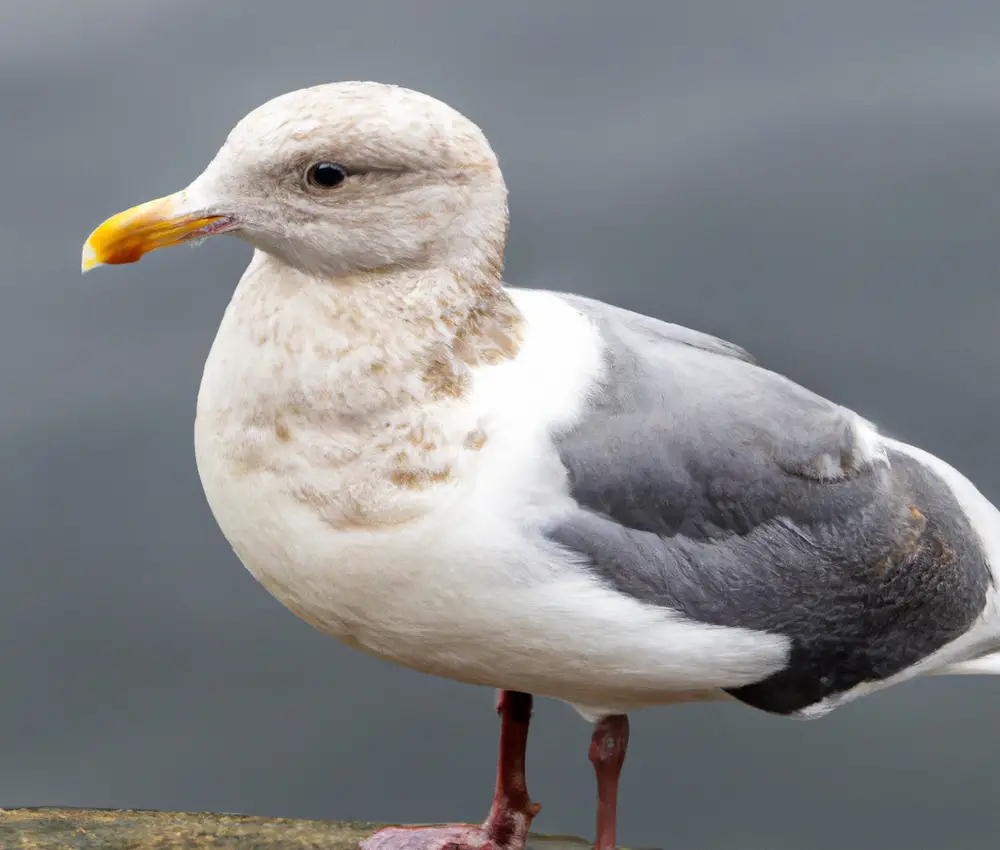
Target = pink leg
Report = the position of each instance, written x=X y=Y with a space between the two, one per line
x=607 y=753
x=506 y=826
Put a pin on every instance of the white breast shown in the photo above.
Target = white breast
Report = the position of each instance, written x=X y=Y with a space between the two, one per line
x=451 y=577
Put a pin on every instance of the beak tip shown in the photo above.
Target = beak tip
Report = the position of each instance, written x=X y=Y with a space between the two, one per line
x=89 y=260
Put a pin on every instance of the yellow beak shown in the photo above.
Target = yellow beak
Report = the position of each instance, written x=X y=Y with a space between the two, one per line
x=127 y=236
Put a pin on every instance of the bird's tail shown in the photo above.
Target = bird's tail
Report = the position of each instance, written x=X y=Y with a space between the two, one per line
x=985 y=665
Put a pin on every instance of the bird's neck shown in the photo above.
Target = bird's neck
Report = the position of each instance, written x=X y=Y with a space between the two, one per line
x=382 y=339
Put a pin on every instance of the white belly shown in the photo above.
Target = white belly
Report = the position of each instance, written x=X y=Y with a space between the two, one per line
x=460 y=595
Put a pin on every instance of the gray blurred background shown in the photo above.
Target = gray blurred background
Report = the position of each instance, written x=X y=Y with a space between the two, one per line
x=817 y=181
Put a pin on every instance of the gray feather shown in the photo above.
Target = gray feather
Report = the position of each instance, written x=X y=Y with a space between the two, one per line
x=655 y=330
x=716 y=488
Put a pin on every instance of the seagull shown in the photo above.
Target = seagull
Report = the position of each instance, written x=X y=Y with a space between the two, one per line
x=535 y=491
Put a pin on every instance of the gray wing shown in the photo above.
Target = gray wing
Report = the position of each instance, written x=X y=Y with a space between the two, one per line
x=721 y=490
x=650 y=330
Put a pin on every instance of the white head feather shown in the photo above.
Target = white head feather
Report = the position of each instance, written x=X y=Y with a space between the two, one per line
x=424 y=188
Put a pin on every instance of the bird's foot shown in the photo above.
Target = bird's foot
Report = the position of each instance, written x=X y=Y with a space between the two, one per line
x=456 y=836
x=506 y=826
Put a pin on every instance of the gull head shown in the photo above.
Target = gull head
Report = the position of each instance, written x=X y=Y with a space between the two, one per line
x=334 y=180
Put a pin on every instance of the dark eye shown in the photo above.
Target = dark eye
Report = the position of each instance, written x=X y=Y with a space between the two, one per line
x=326 y=175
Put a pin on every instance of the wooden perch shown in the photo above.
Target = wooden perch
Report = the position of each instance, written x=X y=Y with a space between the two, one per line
x=126 y=829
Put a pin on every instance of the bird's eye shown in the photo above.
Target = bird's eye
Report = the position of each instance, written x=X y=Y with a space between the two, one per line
x=326 y=175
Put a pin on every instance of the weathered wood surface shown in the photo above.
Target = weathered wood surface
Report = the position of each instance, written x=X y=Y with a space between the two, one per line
x=106 y=829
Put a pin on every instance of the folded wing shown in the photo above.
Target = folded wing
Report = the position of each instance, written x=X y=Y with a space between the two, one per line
x=720 y=490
